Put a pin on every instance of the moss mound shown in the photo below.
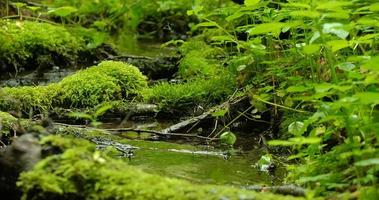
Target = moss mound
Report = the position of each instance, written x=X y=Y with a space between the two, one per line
x=25 y=44
x=171 y=97
x=108 y=81
x=7 y=122
x=71 y=175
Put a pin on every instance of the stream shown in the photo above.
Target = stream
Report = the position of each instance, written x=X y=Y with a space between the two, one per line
x=191 y=159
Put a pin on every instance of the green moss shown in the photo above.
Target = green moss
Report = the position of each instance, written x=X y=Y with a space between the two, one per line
x=24 y=41
x=87 y=88
x=28 y=97
x=108 y=81
x=71 y=175
x=199 y=63
x=7 y=122
x=184 y=95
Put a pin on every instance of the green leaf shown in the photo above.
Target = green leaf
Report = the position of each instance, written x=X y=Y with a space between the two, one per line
x=274 y=28
x=372 y=64
x=296 y=128
x=63 y=11
x=305 y=14
x=346 y=66
x=374 y=7
x=311 y=49
x=228 y=138
x=251 y=2
x=368 y=98
x=368 y=162
x=336 y=29
x=322 y=87
x=337 y=15
x=336 y=45
x=297 y=88
x=19 y=5
x=333 y=5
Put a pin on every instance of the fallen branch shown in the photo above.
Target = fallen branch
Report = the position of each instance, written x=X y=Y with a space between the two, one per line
x=181 y=125
x=160 y=133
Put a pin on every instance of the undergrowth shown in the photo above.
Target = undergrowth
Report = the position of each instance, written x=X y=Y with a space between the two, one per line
x=71 y=175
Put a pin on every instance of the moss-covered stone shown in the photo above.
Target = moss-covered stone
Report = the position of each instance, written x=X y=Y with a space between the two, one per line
x=25 y=43
x=84 y=173
x=7 y=122
x=108 y=81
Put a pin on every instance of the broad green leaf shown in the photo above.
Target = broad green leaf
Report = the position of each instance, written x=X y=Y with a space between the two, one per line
x=368 y=98
x=338 y=44
x=336 y=29
x=368 y=162
x=297 y=88
x=274 y=28
x=333 y=5
x=323 y=87
x=346 y=66
x=296 y=5
x=251 y=2
x=63 y=11
x=372 y=64
x=305 y=14
x=337 y=15
x=228 y=138
x=311 y=49
x=19 y=5
x=296 y=128
x=315 y=36
x=236 y=15
x=374 y=7
x=222 y=38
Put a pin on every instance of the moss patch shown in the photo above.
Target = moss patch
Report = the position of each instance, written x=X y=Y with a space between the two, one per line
x=7 y=122
x=25 y=43
x=180 y=96
x=71 y=176
x=108 y=81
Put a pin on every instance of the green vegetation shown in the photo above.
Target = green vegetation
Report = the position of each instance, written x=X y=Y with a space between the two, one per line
x=108 y=81
x=309 y=70
x=28 y=44
x=179 y=96
x=58 y=176
x=315 y=61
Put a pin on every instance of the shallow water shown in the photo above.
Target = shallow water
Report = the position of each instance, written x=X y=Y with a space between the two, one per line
x=199 y=162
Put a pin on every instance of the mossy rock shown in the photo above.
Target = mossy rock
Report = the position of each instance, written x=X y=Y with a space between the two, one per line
x=7 y=122
x=90 y=87
x=24 y=42
x=82 y=172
